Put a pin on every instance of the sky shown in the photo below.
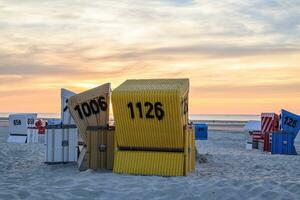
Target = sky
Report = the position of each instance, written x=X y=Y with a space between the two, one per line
x=242 y=57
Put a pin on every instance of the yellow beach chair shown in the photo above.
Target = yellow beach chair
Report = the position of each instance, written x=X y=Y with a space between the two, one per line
x=152 y=132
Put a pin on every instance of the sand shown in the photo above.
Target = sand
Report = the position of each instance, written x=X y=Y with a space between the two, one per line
x=229 y=172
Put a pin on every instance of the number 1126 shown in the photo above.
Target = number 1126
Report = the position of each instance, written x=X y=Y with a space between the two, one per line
x=157 y=106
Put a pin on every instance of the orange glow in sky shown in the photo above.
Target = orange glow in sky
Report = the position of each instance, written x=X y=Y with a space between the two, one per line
x=242 y=57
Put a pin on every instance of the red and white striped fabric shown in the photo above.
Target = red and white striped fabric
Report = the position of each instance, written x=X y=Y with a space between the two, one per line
x=269 y=124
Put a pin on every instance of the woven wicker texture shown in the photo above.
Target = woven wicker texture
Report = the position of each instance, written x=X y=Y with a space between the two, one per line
x=151 y=113
x=158 y=163
x=149 y=163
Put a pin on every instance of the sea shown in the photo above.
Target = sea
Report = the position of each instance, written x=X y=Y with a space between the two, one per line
x=194 y=117
x=223 y=117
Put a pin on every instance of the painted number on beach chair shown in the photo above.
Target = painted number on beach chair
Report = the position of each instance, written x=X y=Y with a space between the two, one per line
x=290 y=122
x=158 y=111
x=30 y=121
x=94 y=106
x=17 y=122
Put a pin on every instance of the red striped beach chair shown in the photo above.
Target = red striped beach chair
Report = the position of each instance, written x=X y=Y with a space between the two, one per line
x=269 y=124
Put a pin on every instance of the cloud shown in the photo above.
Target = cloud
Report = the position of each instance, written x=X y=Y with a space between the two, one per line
x=201 y=50
x=249 y=91
x=220 y=45
x=34 y=69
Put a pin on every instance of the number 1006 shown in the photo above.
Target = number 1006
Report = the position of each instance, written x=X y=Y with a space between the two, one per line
x=94 y=107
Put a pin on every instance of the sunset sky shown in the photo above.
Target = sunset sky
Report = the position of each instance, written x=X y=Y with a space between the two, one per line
x=242 y=57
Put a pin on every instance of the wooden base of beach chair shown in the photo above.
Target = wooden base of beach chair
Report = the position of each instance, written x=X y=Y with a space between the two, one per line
x=61 y=143
x=100 y=145
x=82 y=162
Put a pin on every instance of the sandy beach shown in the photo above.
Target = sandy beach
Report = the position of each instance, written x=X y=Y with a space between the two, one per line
x=125 y=81
x=226 y=171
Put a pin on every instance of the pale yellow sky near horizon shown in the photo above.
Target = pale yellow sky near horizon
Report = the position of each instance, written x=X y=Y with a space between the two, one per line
x=241 y=57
